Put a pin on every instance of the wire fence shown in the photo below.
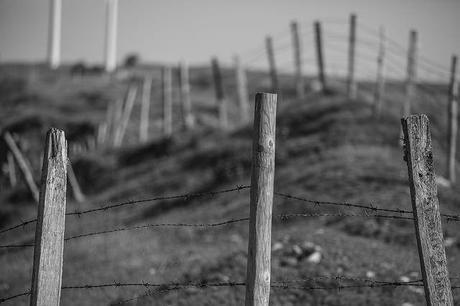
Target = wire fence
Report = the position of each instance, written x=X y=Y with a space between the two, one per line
x=340 y=284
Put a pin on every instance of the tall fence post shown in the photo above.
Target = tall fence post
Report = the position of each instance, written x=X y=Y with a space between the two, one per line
x=126 y=114
x=11 y=169
x=351 y=82
x=23 y=164
x=145 y=109
x=186 y=100
x=296 y=45
x=260 y=216
x=271 y=64
x=242 y=89
x=452 y=114
x=54 y=44
x=380 y=82
x=411 y=73
x=166 y=96
x=320 y=55
x=220 y=96
x=428 y=228
x=49 y=233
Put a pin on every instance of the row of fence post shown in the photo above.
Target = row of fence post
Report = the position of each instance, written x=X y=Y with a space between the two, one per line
x=49 y=235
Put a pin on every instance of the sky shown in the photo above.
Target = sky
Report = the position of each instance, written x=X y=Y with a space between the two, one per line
x=195 y=30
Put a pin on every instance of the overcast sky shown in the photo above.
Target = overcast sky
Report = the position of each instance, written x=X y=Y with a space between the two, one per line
x=169 y=30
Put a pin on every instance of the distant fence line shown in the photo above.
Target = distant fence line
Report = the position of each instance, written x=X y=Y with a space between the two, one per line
x=50 y=224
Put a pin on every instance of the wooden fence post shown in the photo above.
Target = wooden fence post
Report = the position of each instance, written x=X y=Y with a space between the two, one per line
x=186 y=100
x=452 y=114
x=411 y=73
x=242 y=89
x=260 y=216
x=320 y=55
x=145 y=109
x=23 y=165
x=130 y=99
x=428 y=228
x=380 y=83
x=351 y=82
x=296 y=45
x=49 y=233
x=11 y=169
x=166 y=95
x=271 y=64
x=220 y=96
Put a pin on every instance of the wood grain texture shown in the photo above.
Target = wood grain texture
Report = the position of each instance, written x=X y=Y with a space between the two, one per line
x=320 y=55
x=260 y=219
x=351 y=82
x=380 y=82
x=428 y=227
x=166 y=96
x=296 y=46
x=452 y=116
x=220 y=95
x=23 y=165
x=49 y=233
x=272 y=64
x=242 y=89
x=411 y=73
x=188 y=120
x=145 y=109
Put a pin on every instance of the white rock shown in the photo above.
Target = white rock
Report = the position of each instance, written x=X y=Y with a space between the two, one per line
x=277 y=246
x=370 y=274
x=404 y=279
x=315 y=257
x=407 y=304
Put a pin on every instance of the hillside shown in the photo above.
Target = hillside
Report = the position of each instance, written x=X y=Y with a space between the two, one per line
x=328 y=148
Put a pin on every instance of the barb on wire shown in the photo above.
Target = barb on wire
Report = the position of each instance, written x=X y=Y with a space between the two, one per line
x=140 y=201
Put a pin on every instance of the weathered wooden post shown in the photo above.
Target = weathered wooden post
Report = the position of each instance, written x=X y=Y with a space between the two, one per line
x=411 y=73
x=271 y=64
x=380 y=83
x=186 y=101
x=111 y=35
x=260 y=216
x=145 y=109
x=220 y=96
x=351 y=82
x=296 y=45
x=166 y=96
x=320 y=55
x=428 y=228
x=126 y=114
x=23 y=164
x=49 y=233
x=242 y=89
x=54 y=38
x=11 y=170
x=452 y=114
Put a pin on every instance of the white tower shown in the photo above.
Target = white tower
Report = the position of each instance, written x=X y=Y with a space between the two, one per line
x=111 y=35
x=54 y=38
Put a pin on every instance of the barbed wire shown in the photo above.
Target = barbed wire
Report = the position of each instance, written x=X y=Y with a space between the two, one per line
x=282 y=217
x=277 y=284
x=203 y=284
x=188 y=196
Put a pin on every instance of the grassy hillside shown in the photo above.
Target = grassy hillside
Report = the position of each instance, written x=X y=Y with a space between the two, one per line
x=328 y=148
